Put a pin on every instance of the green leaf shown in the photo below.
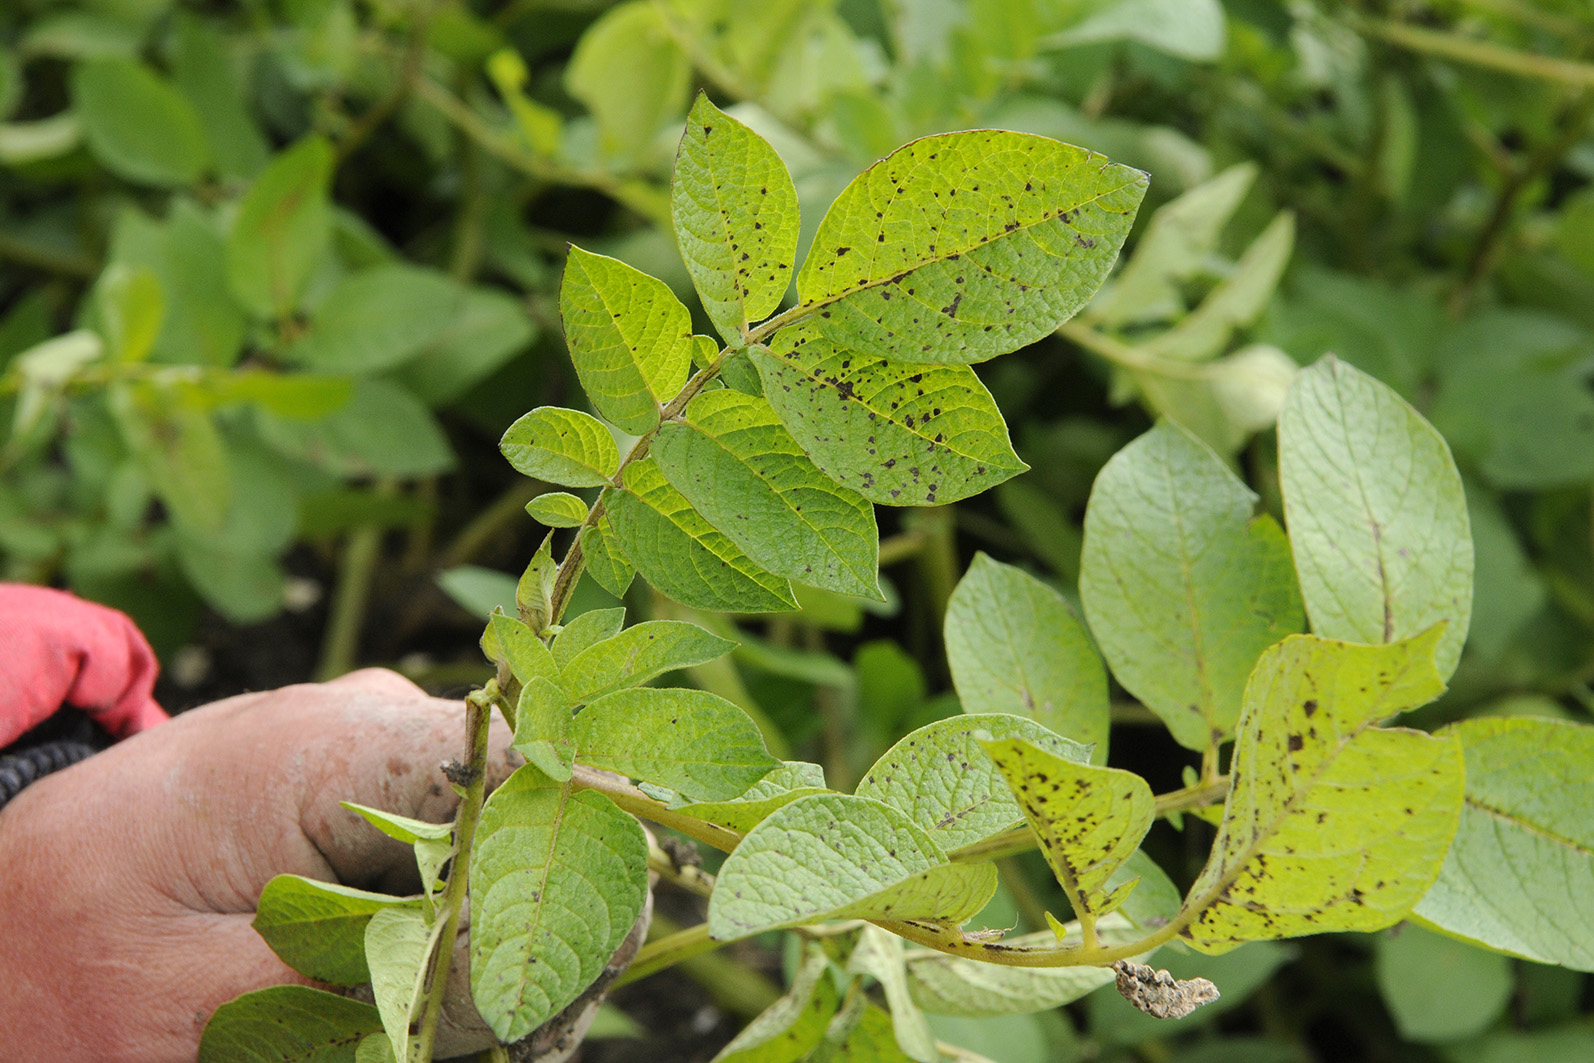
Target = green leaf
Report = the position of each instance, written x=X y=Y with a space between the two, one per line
x=489 y=329
x=382 y=430
x=138 y=125
x=606 y=564
x=744 y=473
x=1225 y=402
x=526 y=654
x=378 y=318
x=433 y=842
x=871 y=1040
x=737 y=372
x=629 y=337
x=478 y=590
x=1377 y=517
x=589 y=628
x=281 y=228
x=1183 y=586
x=836 y=856
x=696 y=743
x=1189 y=29
x=1237 y=301
x=556 y=883
x=735 y=213
x=1439 y=989
x=287 y=1024
x=543 y=728
x=1089 y=819
x=782 y=786
x=1518 y=876
x=203 y=69
x=1014 y=646
x=131 y=306
x=879 y=955
x=1178 y=243
x=897 y=433
x=318 y=928
x=941 y=777
x=375 y=1049
x=952 y=985
x=202 y=324
x=557 y=509
x=534 y=590
x=565 y=447
x=637 y=654
x=297 y=396
x=632 y=76
x=397 y=947
x=1331 y=823
x=791 y=1027
x=682 y=555
x=964 y=246
x=181 y=452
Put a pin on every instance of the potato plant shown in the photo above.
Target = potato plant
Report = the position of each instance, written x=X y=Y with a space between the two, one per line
x=753 y=460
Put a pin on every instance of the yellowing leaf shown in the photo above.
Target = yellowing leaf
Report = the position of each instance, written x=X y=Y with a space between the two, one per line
x=1332 y=823
x=735 y=212
x=1089 y=819
x=896 y=433
x=964 y=246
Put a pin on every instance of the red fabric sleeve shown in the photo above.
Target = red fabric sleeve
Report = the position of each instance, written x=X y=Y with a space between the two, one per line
x=55 y=649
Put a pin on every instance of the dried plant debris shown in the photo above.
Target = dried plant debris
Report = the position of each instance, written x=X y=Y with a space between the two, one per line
x=1160 y=993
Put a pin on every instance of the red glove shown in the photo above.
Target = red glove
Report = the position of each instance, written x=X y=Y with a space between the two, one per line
x=55 y=649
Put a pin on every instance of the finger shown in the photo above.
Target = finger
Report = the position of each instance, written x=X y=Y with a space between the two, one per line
x=378 y=681
x=394 y=763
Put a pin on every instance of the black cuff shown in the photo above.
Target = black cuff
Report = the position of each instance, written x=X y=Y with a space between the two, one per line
x=61 y=741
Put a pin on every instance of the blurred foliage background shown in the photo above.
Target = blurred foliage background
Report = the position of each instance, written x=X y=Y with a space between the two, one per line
x=276 y=274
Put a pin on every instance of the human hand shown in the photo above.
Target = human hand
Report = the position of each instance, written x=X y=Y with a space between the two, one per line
x=130 y=879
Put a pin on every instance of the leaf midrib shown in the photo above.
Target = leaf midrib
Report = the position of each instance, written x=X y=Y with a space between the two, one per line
x=833 y=299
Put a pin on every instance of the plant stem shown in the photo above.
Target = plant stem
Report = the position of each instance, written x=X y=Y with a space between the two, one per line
x=340 y=646
x=735 y=987
x=489 y=522
x=639 y=804
x=1449 y=45
x=1485 y=249
x=570 y=568
x=667 y=951
x=478 y=714
x=409 y=72
x=632 y=194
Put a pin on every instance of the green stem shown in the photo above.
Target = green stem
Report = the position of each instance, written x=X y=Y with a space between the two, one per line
x=1449 y=45
x=478 y=714
x=340 y=646
x=1485 y=250
x=639 y=804
x=409 y=72
x=628 y=193
x=734 y=986
x=489 y=522
x=667 y=951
